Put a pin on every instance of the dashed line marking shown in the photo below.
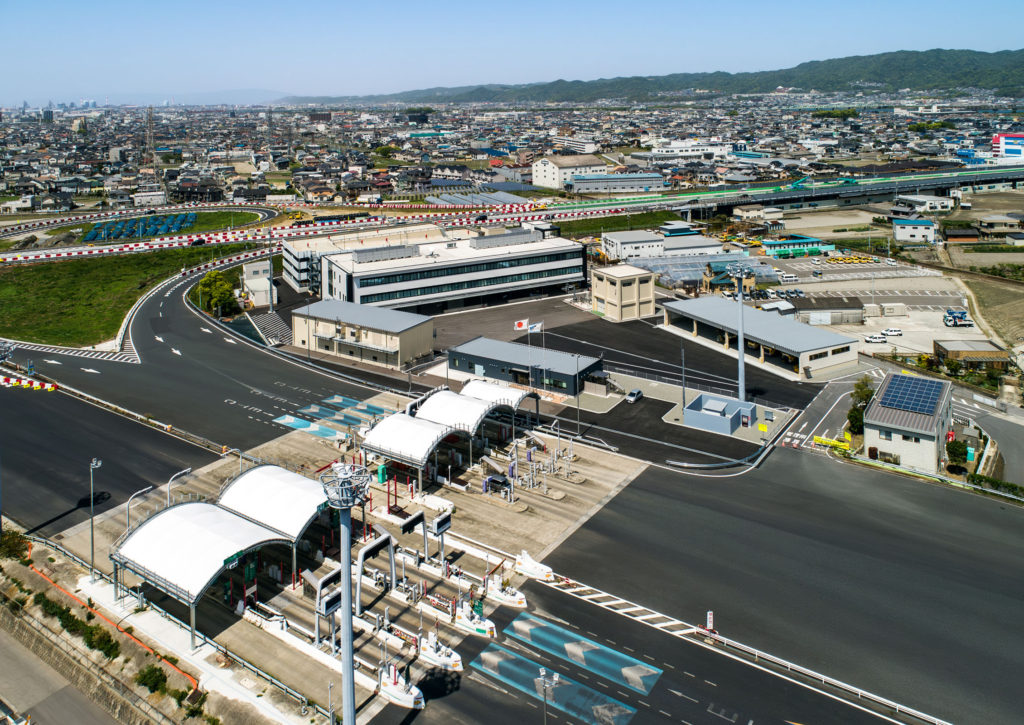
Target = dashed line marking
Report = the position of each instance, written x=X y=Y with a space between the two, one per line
x=711 y=683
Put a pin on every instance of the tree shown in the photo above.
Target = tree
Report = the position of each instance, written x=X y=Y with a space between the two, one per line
x=215 y=290
x=855 y=417
x=957 y=451
x=862 y=392
x=953 y=367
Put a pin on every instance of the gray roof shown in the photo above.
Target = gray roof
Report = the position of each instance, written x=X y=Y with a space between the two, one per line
x=767 y=328
x=691 y=241
x=828 y=303
x=374 y=318
x=879 y=415
x=632 y=237
x=526 y=356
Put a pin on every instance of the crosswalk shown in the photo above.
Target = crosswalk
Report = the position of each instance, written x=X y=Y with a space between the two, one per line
x=273 y=328
x=126 y=355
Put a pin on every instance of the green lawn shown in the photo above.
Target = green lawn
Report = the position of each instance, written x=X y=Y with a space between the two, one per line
x=592 y=227
x=83 y=301
x=206 y=221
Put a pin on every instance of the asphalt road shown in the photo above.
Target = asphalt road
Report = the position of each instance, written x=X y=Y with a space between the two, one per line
x=695 y=685
x=48 y=440
x=34 y=688
x=887 y=583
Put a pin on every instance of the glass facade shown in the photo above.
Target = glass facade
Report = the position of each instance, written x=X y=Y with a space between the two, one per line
x=435 y=272
x=468 y=284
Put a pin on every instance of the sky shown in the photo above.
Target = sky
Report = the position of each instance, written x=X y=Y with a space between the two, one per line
x=183 y=49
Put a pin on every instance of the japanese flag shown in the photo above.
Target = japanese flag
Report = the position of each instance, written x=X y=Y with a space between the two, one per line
x=521 y=324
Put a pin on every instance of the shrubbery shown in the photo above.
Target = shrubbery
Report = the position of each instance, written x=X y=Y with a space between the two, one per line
x=152 y=677
x=95 y=636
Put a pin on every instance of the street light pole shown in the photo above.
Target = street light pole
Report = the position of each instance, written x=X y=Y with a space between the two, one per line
x=346 y=485
x=128 y=508
x=546 y=684
x=171 y=480
x=93 y=465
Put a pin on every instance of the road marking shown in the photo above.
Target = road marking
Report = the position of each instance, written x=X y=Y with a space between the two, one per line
x=228 y=339
x=679 y=694
x=90 y=370
x=53 y=362
x=711 y=683
x=176 y=352
x=158 y=338
x=802 y=427
x=210 y=332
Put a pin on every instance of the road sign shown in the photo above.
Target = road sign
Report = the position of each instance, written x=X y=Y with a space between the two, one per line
x=832 y=443
x=232 y=560
x=330 y=603
x=441 y=524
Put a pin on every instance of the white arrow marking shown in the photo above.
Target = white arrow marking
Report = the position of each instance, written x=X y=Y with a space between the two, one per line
x=53 y=362
x=158 y=338
x=205 y=330
x=228 y=339
x=175 y=351
x=90 y=370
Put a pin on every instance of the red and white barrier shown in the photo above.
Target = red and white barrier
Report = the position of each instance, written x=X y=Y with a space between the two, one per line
x=11 y=382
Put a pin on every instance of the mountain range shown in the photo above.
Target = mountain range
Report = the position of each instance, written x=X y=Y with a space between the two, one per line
x=929 y=70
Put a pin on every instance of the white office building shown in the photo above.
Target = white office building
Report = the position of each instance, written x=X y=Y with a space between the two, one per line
x=923 y=203
x=641 y=244
x=690 y=148
x=555 y=172
x=913 y=231
x=436 y=276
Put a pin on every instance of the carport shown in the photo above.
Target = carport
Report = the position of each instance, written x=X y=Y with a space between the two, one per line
x=403 y=438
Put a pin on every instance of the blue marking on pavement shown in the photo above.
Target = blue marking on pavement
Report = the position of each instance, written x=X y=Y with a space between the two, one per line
x=375 y=410
x=576 y=700
x=340 y=401
x=588 y=654
x=315 y=429
x=317 y=411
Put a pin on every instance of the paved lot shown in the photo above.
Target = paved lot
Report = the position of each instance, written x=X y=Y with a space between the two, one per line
x=36 y=689
x=497 y=322
x=882 y=581
x=920 y=328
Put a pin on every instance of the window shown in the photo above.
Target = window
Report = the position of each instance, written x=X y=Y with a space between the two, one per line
x=435 y=272
x=885 y=435
x=468 y=284
x=840 y=350
x=818 y=355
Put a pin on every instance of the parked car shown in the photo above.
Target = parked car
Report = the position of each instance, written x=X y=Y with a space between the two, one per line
x=634 y=395
x=891 y=262
x=815 y=261
x=874 y=338
x=799 y=293
x=892 y=332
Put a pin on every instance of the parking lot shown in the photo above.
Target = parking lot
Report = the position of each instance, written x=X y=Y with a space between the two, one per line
x=852 y=267
x=920 y=327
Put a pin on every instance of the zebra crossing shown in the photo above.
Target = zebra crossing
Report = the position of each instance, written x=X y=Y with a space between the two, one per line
x=126 y=355
x=620 y=606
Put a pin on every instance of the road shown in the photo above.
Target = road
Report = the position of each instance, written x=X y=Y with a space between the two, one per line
x=34 y=688
x=50 y=438
x=884 y=582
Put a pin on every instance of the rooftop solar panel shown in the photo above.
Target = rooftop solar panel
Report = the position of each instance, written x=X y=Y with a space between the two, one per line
x=915 y=395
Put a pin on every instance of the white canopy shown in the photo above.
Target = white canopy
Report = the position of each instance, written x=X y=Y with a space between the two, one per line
x=454 y=410
x=404 y=438
x=494 y=393
x=182 y=549
x=276 y=497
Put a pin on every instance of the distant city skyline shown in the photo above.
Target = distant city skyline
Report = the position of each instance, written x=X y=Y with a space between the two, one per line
x=207 y=52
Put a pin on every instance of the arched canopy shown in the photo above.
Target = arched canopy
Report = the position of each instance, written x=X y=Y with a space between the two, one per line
x=275 y=497
x=184 y=548
x=454 y=410
x=403 y=438
x=496 y=395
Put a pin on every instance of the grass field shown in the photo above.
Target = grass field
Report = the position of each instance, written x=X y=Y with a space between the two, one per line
x=83 y=301
x=206 y=221
x=592 y=227
x=1002 y=306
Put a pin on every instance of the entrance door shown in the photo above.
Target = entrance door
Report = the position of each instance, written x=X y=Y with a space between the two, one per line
x=520 y=377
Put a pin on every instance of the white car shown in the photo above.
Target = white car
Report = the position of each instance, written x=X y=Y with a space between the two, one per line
x=634 y=395
x=892 y=332
x=815 y=261
x=891 y=262
x=874 y=338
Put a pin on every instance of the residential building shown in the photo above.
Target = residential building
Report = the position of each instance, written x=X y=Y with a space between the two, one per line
x=258 y=283
x=622 y=292
x=907 y=421
x=363 y=333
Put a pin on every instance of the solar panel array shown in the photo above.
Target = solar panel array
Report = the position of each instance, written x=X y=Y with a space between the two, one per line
x=915 y=395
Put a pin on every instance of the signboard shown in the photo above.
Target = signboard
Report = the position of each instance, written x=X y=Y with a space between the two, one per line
x=410 y=524
x=441 y=524
x=847 y=436
x=711 y=621
x=232 y=560
x=412 y=639
x=970 y=453
x=950 y=436
x=444 y=605
x=330 y=603
x=832 y=443
x=763 y=427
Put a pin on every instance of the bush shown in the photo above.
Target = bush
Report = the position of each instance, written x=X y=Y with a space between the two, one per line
x=855 y=417
x=99 y=638
x=152 y=677
x=957 y=451
x=13 y=545
x=95 y=636
x=995 y=484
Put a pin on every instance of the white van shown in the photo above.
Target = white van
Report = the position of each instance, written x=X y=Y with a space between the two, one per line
x=891 y=262
x=788 y=278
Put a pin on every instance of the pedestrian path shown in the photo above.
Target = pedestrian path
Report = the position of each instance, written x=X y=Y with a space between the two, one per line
x=274 y=329
x=320 y=431
x=127 y=355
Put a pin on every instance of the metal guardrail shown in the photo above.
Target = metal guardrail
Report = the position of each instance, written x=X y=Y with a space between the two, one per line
x=825 y=679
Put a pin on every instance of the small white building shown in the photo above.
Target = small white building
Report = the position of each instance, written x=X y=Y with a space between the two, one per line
x=641 y=244
x=907 y=421
x=258 y=282
x=555 y=172
x=913 y=231
x=149 y=198
x=926 y=202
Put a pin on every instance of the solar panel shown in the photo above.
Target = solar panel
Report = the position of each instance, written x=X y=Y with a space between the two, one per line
x=915 y=395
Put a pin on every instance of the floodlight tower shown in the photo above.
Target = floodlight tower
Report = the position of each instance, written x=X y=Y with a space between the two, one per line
x=345 y=486
x=740 y=271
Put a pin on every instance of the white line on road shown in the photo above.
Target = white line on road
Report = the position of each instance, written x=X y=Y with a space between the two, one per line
x=176 y=352
x=158 y=338
x=90 y=370
x=228 y=339
x=53 y=362
x=210 y=332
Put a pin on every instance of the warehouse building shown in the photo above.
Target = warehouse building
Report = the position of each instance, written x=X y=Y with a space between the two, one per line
x=622 y=292
x=616 y=183
x=907 y=421
x=524 y=365
x=972 y=354
x=775 y=341
x=795 y=245
x=555 y=172
x=363 y=333
x=828 y=310
x=913 y=231
x=436 y=276
x=642 y=244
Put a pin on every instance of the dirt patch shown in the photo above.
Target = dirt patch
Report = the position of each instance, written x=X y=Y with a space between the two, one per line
x=1002 y=306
